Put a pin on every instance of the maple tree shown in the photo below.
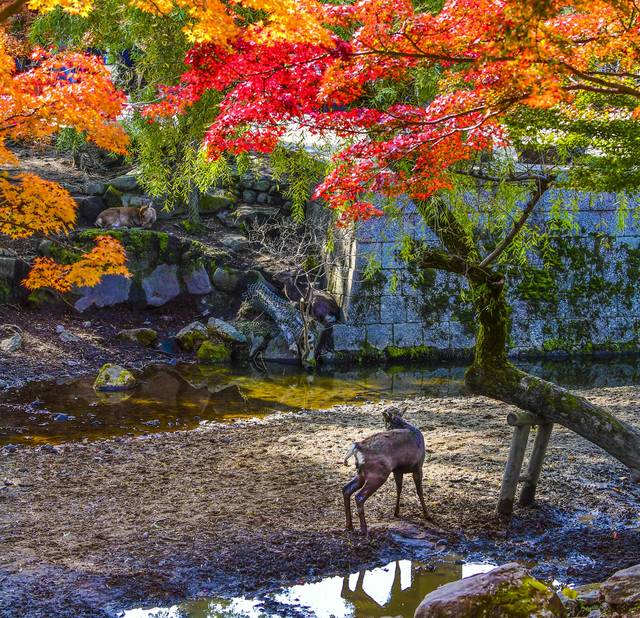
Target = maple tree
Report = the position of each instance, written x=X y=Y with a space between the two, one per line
x=411 y=96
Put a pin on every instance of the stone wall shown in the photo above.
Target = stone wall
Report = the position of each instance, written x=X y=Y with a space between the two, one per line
x=582 y=296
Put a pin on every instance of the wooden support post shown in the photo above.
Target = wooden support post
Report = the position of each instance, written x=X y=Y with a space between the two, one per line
x=540 y=444
x=512 y=469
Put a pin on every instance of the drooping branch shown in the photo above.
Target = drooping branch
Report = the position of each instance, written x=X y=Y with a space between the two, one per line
x=543 y=185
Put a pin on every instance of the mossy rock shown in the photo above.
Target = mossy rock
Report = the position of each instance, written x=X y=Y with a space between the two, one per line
x=505 y=592
x=114 y=378
x=112 y=197
x=192 y=335
x=143 y=336
x=213 y=353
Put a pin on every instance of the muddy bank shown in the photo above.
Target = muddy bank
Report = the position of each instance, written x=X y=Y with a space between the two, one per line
x=88 y=529
x=44 y=356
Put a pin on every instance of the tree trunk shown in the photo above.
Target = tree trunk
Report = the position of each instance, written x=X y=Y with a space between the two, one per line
x=193 y=206
x=494 y=376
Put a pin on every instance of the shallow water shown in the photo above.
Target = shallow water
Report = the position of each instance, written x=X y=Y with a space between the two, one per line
x=170 y=398
x=395 y=589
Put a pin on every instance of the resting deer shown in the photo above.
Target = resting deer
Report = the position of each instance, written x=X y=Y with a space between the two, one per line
x=400 y=450
x=114 y=218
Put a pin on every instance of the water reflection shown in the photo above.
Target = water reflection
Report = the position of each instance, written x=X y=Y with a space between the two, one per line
x=170 y=398
x=395 y=589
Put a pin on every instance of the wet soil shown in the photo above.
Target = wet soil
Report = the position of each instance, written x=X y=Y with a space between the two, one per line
x=91 y=528
x=44 y=356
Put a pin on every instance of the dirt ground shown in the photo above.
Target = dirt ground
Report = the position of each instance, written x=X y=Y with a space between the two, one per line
x=45 y=357
x=89 y=529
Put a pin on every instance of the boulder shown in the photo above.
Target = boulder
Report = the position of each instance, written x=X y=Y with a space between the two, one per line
x=111 y=290
x=213 y=353
x=227 y=279
x=249 y=196
x=12 y=272
x=89 y=207
x=235 y=242
x=112 y=197
x=506 y=592
x=192 y=335
x=623 y=587
x=92 y=187
x=254 y=211
x=114 y=378
x=197 y=281
x=68 y=337
x=135 y=200
x=125 y=183
x=161 y=285
x=12 y=344
x=225 y=331
x=277 y=351
x=216 y=200
x=143 y=336
x=262 y=185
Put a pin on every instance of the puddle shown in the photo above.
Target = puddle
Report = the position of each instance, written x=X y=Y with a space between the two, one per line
x=170 y=398
x=395 y=589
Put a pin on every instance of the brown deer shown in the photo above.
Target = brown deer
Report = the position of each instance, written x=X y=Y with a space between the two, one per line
x=400 y=450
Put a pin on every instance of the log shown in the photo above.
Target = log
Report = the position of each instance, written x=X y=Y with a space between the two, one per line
x=518 y=419
x=527 y=495
x=512 y=469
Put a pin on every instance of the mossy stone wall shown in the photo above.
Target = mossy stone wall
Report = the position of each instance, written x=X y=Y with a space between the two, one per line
x=580 y=294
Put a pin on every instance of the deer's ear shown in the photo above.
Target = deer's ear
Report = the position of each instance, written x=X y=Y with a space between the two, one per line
x=144 y=208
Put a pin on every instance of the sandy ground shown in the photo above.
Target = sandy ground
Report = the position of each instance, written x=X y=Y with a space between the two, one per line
x=88 y=529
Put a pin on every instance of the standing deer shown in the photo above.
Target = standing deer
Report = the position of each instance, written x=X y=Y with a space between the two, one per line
x=400 y=450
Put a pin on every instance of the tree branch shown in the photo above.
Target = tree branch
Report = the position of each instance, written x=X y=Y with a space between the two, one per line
x=543 y=185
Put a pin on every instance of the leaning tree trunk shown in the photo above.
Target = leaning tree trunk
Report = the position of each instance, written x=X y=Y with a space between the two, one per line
x=494 y=376
x=193 y=205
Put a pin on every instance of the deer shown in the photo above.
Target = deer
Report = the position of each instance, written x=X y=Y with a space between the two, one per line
x=400 y=449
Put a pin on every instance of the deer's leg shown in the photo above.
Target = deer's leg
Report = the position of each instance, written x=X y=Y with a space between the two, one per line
x=398 y=476
x=353 y=485
x=417 y=479
x=371 y=486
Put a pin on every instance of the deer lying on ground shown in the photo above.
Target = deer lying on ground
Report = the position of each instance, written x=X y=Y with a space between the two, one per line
x=122 y=216
x=400 y=450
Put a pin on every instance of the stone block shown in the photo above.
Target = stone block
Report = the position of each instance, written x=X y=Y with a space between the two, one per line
x=459 y=336
x=407 y=335
x=380 y=335
x=392 y=309
x=348 y=338
x=89 y=207
x=437 y=335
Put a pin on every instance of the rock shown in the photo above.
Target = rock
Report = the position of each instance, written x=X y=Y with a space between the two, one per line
x=92 y=187
x=263 y=198
x=227 y=279
x=213 y=353
x=125 y=183
x=143 y=336
x=12 y=272
x=68 y=337
x=161 y=285
x=506 y=592
x=11 y=344
x=89 y=207
x=225 y=331
x=192 y=335
x=235 y=242
x=197 y=281
x=114 y=378
x=278 y=351
x=135 y=200
x=254 y=211
x=61 y=418
x=623 y=587
x=111 y=290
x=249 y=196
x=59 y=329
x=112 y=197
x=262 y=185
x=152 y=423
x=215 y=200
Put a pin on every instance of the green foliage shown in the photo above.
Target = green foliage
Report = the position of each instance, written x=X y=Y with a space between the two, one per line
x=301 y=171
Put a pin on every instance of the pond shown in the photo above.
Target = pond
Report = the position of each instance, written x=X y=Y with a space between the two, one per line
x=395 y=589
x=172 y=398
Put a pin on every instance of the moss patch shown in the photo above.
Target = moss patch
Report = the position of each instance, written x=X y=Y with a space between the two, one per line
x=213 y=353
